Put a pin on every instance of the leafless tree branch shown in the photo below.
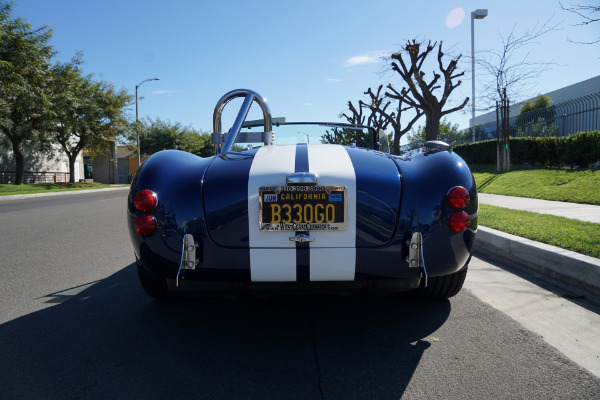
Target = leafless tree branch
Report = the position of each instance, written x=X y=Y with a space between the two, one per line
x=420 y=94
x=510 y=69
x=585 y=12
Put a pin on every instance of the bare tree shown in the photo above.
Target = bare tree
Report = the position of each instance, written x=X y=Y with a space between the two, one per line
x=357 y=117
x=396 y=117
x=378 y=118
x=586 y=13
x=375 y=119
x=510 y=67
x=421 y=94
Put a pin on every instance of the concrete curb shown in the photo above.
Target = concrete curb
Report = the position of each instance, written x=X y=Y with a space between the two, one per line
x=64 y=193
x=573 y=271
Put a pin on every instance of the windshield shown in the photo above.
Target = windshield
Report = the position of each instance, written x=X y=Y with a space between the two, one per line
x=300 y=132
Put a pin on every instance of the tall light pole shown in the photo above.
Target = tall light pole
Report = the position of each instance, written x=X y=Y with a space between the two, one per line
x=136 y=117
x=477 y=14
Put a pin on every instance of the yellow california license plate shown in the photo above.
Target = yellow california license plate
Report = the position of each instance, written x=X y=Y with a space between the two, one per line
x=302 y=208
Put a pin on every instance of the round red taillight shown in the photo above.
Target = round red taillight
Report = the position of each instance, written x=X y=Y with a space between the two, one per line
x=145 y=200
x=146 y=224
x=458 y=197
x=459 y=221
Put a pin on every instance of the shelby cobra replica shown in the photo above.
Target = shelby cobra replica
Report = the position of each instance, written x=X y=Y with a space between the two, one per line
x=302 y=214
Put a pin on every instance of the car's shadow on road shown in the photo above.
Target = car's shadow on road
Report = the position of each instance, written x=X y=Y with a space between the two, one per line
x=112 y=341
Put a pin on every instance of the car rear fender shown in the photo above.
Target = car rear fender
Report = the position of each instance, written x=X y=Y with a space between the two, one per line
x=426 y=181
x=176 y=179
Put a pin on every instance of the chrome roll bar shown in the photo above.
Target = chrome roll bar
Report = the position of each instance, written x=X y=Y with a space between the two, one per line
x=249 y=97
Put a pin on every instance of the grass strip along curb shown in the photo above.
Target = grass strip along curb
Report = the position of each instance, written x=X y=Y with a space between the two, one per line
x=578 y=236
x=6 y=190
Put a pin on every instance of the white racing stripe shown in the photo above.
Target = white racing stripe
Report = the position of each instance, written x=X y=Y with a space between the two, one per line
x=333 y=254
x=333 y=167
x=272 y=254
x=270 y=167
x=273 y=265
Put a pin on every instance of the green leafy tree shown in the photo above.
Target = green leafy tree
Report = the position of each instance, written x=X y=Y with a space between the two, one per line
x=160 y=135
x=448 y=132
x=541 y=101
x=536 y=118
x=347 y=136
x=86 y=113
x=25 y=55
x=196 y=143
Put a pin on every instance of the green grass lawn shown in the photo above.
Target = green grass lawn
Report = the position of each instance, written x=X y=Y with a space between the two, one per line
x=576 y=186
x=573 y=185
x=578 y=236
x=48 y=187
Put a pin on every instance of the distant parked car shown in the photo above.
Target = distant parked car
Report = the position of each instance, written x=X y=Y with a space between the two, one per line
x=282 y=207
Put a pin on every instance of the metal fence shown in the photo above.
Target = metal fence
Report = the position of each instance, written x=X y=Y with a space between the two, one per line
x=562 y=119
x=8 y=177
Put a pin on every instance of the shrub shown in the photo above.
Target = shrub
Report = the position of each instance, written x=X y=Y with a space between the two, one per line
x=582 y=149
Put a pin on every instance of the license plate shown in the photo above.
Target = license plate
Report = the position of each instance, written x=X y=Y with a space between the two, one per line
x=302 y=208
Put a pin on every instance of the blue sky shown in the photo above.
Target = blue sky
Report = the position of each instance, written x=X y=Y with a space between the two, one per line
x=306 y=58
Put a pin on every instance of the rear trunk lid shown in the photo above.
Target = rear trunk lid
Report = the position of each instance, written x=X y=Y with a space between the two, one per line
x=363 y=185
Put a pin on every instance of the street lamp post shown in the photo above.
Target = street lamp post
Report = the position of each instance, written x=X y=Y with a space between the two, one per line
x=477 y=14
x=136 y=117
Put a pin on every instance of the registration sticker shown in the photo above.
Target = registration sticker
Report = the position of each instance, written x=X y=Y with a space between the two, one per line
x=335 y=197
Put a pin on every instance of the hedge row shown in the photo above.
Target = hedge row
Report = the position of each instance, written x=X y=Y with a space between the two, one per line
x=582 y=149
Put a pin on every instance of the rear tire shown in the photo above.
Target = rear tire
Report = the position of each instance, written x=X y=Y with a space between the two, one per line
x=153 y=285
x=441 y=287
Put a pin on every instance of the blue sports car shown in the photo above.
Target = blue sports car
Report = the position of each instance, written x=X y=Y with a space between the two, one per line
x=292 y=207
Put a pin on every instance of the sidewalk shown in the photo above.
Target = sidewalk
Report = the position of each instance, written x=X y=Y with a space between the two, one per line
x=582 y=212
x=572 y=271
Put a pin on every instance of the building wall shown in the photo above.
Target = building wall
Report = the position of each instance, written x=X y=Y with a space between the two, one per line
x=35 y=161
x=104 y=167
x=116 y=166
x=583 y=88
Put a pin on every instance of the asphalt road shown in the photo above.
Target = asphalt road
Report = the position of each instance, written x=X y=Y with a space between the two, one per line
x=75 y=324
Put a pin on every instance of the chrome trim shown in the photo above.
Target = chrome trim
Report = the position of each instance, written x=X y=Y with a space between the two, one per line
x=423 y=259
x=301 y=178
x=414 y=250
x=416 y=258
x=433 y=145
x=302 y=238
x=249 y=97
x=188 y=255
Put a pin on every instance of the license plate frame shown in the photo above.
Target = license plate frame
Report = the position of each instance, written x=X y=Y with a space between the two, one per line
x=303 y=208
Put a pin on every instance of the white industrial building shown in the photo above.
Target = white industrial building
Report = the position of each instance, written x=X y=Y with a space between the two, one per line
x=577 y=106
